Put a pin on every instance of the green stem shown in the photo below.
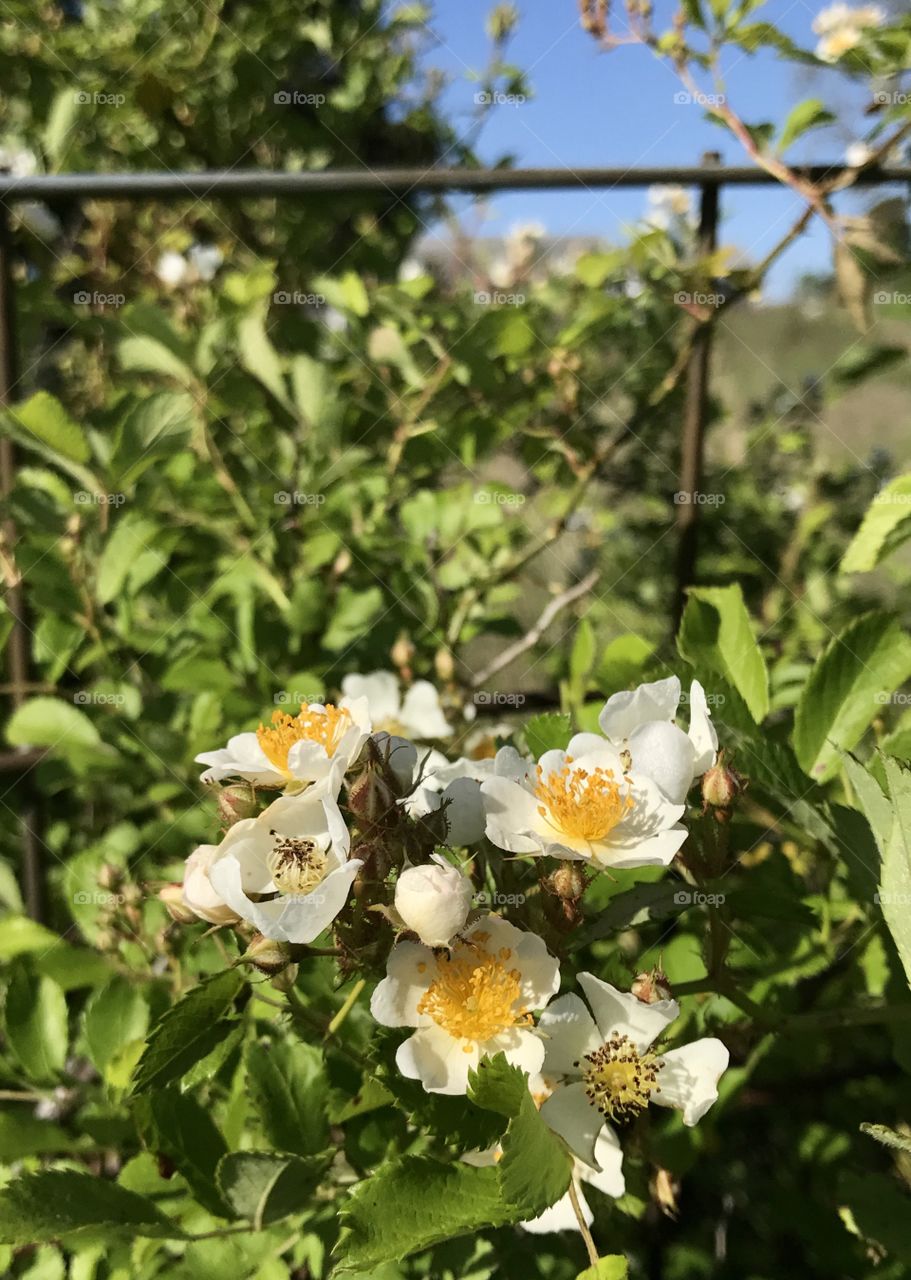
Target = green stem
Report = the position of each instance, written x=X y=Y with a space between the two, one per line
x=583 y=1225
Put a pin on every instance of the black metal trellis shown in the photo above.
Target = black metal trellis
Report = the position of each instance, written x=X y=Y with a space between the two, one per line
x=709 y=177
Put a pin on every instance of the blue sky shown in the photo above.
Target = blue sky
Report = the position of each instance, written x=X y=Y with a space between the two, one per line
x=618 y=108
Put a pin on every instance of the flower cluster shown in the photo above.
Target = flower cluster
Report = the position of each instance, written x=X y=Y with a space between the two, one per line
x=841 y=28
x=345 y=815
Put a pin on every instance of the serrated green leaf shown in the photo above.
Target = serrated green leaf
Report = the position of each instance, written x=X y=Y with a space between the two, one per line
x=188 y=1031
x=35 y=1022
x=45 y=418
x=550 y=731
x=115 y=1015
x=613 y=1267
x=266 y=1186
x=895 y=883
x=885 y=526
x=54 y=1204
x=288 y=1086
x=716 y=637
x=175 y=1125
x=846 y=689
x=888 y=1137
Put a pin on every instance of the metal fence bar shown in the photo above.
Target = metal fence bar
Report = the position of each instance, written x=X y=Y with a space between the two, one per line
x=239 y=184
x=246 y=182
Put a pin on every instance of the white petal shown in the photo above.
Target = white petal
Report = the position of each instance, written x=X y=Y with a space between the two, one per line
x=701 y=732
x=625 y=711
x=609 y=1154
x=381 y=689
x=622 y=1012
x=688 y=1078
x=243 y=757
x=409 y=971
x=539 y=970
x=521 y=1048
x=652 y=851
x=512 y=814
x=570 y=1114
x=300 y=918
x=569 y=1033
x=247 y=845
x=582 y=744
x=560 y=1216
x=401 y=754
x=308 y=761
x=508 y=763
x=439 y=1062
x=665 y=754
x=421 y=713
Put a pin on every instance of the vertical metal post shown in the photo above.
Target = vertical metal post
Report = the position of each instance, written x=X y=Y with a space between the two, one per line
x=17 y=651
x=692 y=441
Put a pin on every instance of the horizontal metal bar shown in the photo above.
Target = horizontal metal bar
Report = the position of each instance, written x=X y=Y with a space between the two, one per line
x=236 y=184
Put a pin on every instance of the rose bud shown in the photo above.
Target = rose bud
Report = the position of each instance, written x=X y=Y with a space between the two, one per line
x=267 y=955
x=198 y=893
x=172 y=897
x=235 y=803
x=434 y=900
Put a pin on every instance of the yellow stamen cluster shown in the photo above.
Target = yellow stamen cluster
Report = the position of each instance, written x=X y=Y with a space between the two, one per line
x=618 y=1079
x=586 y=804
x=324 y=726
x=297 y=865
x=475 y=995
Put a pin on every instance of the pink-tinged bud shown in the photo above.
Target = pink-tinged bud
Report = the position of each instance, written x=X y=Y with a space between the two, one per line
x=267 y=955
x=721 y=785
x=172 y=897
x=235 y=803
x=402 y=652
x=444 y=665
x=652 y=987
x=370 y=797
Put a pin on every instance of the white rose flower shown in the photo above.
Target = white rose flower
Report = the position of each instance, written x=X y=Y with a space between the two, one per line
x=204 y=260
x=473 y=1001
x=417 y=715
x=642 y=722
x=39 y=219
x=842 y=28
x=287 y=871
x=857 y=154
x=458 y=782
x=299 y=748
x=199 y=893
x=608 y=1069
x=434 y=900
x=583 y=804
x=172 y=269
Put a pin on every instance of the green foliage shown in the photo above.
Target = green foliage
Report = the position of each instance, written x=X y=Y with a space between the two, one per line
x=716 y=636
x=188 y=1031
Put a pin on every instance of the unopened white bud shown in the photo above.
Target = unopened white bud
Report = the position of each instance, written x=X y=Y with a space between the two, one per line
x=434 y=900
x=198 y=892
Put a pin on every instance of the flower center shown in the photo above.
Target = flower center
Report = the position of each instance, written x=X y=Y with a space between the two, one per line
x=587 y=805
x=618 y=1079
x=474 y=995
x=324 y=726
x=298 y=865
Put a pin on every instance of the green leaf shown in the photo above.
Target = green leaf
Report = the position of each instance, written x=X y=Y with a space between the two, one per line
x=874 y=805
x=886 y=525
x=154 y=429
x=145 y=353
x=19 y=935
x=288 y=1086
x=805 y=116
x=582 y=654
x=35 y=1021
x=259 y=358
x=846 y=690
x=346 y=294
x=188 y=1031
x=131 y=536
x=44 y=417
x=549 y=731
x=115 y=1015
x=595 y=267
x=613 y=1267
x=622 y=661
x=266 y=1186
x=355 y=611
x=48 y=722
x=716 y=637
x=895 y=883
x=53 y=1204
x=411 y=1204
x=176 y=1126
x=60 y=120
